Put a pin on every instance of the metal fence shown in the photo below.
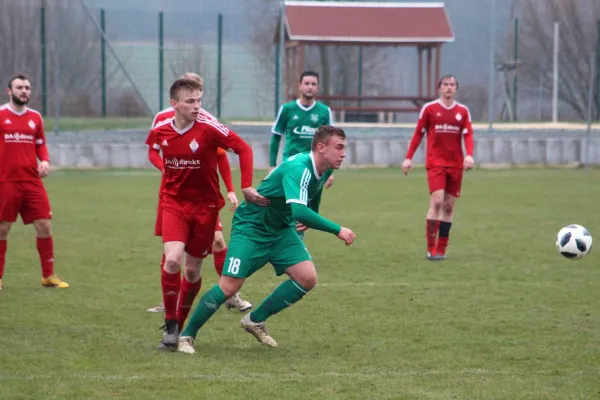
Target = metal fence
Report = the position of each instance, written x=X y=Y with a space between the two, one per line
x=106 y=58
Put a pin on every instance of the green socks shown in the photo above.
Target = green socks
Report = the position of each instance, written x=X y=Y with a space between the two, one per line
x=208 y=305
x=286 y=294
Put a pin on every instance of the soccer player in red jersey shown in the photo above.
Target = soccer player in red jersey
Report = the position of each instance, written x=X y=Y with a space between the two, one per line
x=22 y=143
x=446 y=124
x=191 y=198
x=219 y=246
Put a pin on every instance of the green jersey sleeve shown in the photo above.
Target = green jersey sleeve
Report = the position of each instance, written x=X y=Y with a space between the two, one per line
x=280 y=122
x=295 y=185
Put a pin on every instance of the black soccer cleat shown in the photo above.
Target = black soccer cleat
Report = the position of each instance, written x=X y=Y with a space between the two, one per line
x=170 y=338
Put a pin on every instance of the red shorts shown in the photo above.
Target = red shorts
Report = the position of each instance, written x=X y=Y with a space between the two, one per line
x=158 y=224
x=197 y=231
x=27 y=198
x=444 y=178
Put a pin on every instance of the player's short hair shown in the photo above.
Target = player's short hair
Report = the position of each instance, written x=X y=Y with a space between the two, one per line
x=183 y=84
x=309 y=73
x=23 y=77
x=195 y=77
x=443 y=78
x=324 y=133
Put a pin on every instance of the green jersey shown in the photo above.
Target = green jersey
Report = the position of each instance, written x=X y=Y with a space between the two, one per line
x=294 y=181
x=299 y=123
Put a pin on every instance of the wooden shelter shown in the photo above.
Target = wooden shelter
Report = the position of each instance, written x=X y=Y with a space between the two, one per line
x=424 y=26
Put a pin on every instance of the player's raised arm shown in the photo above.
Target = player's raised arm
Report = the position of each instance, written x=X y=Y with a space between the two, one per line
x=420 y=130
x=469 y=143
x=277 y=131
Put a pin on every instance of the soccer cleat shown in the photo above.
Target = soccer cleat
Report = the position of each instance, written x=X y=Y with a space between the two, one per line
x=186 y=345
x=259 y=330
x=238 y=303
x=435 y=257
x=157 y=309
x=54 y=281
x=170 y=338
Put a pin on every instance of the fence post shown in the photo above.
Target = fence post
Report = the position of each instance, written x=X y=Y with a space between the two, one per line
x=277 y=73
x=103 y=60
x=515 y=58
x=360 y=74
x=43 y=60
x=161 y=58
x=492 y=64
x=219 y=63
x=598 y=71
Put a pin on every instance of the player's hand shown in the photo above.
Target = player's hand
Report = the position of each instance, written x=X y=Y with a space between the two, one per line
x=468 y=164
x=347 y=236
x=329 y=182
x=406 y=165
x=233 y=200
x=43 y=169
x=252 y=196
x=300 y=227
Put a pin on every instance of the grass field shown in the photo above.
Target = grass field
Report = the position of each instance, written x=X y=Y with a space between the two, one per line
x=504 y=317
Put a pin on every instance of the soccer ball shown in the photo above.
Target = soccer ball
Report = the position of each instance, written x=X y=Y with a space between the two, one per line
x=574 y=242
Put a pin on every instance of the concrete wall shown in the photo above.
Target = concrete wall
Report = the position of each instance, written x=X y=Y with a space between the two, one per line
x=500 y=150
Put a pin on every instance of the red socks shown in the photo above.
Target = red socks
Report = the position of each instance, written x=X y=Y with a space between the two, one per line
x=187 y=295
x=170 y=287
x=219 y=259
x=45 y=248
x=432 y=232
x=2 y=257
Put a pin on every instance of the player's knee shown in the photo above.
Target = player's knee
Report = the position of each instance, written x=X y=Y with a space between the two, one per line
x=43 y=228
x=448 y=208
x=192 y=275
x=172 y=263
x=4 y=229
x=307 y=281
x=230 y=285
x=219 y=244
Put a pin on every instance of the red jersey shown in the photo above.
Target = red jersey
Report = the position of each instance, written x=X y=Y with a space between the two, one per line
x=222 y=159
x=22 y=142
x=191 y=183
x=445 y=128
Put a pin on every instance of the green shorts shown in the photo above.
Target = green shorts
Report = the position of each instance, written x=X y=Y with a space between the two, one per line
x=246 y=256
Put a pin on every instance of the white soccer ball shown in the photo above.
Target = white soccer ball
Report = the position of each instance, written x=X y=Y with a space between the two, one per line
x=574 y=242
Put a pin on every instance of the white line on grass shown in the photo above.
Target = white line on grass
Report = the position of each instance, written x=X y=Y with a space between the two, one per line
x=245 y=376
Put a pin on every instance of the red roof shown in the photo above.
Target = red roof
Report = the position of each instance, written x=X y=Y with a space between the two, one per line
x=361 y=22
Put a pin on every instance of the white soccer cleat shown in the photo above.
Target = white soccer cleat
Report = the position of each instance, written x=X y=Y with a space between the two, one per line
x=259 y=330
x=186 y=345
x=238 y=303
x=157 y=309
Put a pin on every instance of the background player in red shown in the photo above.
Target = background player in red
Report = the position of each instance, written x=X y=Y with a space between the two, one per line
x=219 y=246
x=191 y=197
x=22 y=143
x=446 y=123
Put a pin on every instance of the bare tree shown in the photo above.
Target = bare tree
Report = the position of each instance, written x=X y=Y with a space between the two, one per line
x=193 y=58
x=577 y=19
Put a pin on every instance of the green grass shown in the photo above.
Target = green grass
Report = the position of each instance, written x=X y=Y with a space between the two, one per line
x=505 y=317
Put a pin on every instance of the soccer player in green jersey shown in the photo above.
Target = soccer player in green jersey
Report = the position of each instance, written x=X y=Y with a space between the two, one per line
x=262 y=235
x=298 y=120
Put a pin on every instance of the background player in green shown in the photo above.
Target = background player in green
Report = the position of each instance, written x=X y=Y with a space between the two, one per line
x=262 y=235
x=298 y=120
